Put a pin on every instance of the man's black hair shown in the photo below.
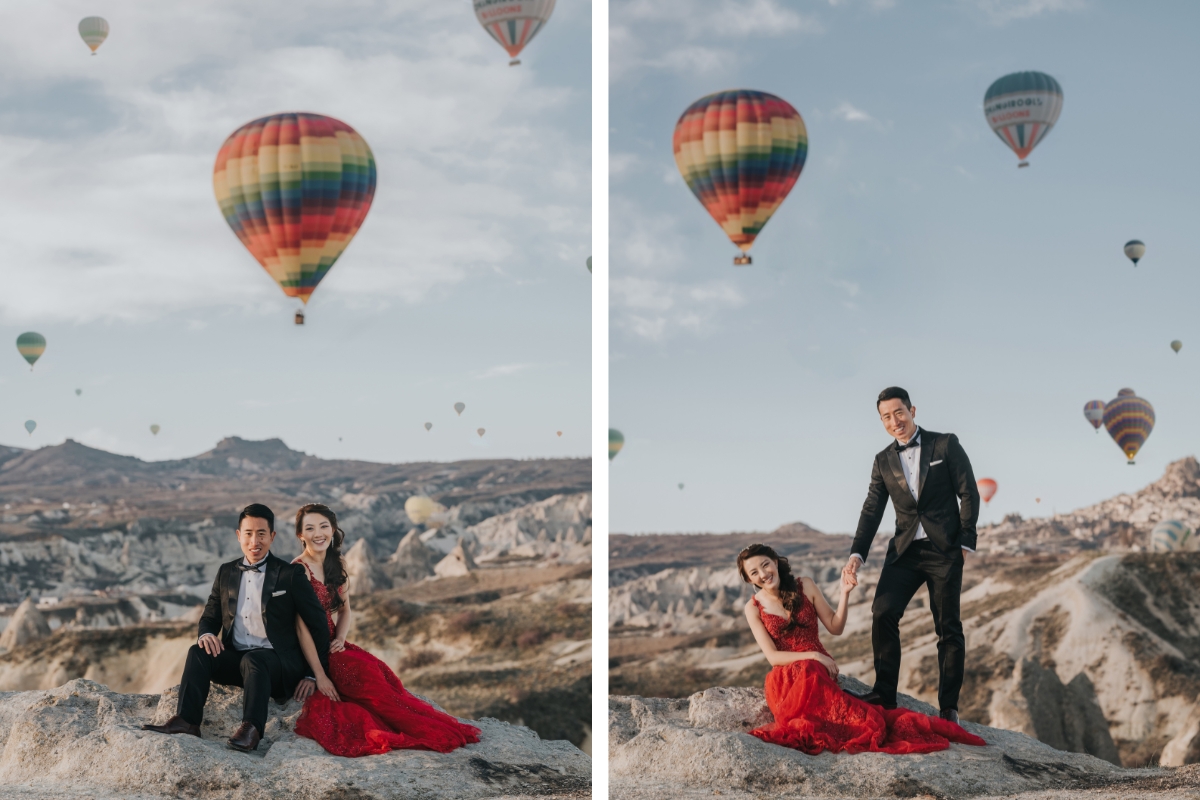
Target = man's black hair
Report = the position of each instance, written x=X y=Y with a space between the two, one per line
x=891 y=393
x=258 y=511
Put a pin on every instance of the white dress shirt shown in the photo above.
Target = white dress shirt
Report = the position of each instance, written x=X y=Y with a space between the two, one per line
x=249 y=632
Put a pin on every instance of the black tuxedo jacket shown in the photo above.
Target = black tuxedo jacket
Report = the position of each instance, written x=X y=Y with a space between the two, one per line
x=947 y=504
x=286 y=594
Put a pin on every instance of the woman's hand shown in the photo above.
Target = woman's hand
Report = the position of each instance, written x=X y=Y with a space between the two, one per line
x=829 y=663
x=849 y=581
x=337 y=645
x=325 y=687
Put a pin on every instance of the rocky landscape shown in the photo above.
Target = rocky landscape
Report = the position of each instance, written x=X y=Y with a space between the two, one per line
x=1075 y=634
x=105 y=560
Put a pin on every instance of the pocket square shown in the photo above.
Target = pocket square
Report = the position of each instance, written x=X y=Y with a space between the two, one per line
x=276 y=594
x=935 y=463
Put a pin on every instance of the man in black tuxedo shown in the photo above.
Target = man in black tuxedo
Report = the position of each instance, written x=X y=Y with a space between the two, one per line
x=928 y=477
x=248 y=634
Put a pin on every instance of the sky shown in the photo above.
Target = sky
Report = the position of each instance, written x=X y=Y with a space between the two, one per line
x=911 y=252
x=465 y=283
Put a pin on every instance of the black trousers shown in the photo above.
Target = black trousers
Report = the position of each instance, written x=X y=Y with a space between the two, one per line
x=920 y=564
x=256 y=671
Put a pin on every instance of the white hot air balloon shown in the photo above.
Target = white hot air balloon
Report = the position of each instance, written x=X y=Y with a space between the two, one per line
x=93 y=31
x=1134 y=250
x=513 y=23
x=1169 y=536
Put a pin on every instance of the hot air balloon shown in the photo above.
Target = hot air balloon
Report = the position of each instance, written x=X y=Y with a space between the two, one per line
x=1037 y=500
x=589 y=263
x=155 y=429
x=615 y=442
x=481 y=432
x=987 y=489
x=1134 y=250
x=1176 y=345
x=1093 y=410
x=681 y=487
x=420 y=509
x=295 y=188
x=93 y=30
x=78 y=392
x=1169 y=536
x=428 y=426
x=559 y=434
x=513 y=23
x=740 y=152
x=1022 y=108
x=1129 y=420
x=30 y=425
x=458 y=407
x=31 y=346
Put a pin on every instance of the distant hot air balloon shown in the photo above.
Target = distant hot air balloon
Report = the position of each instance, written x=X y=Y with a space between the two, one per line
x=420 y=509
x=295 y=188
x=740 y=152
x=1169 y=536
x=987 y=489
x=428 y=426
x=78 y=392
x=681 y=487
x=1022 y=108
x=589 y=263
x=481 y=432
x=559 y=433
x=30 y=425
x=513 y=23
x=31 y=346
x=93 y=30
x=615 y=442
x=1037 y=500
x=1093 y=410
x=459 y=408
x=1129 y=420
x=155 y=429
x=1176 y=345
x=1134 y=250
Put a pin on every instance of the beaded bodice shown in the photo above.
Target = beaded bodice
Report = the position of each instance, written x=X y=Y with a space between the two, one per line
x=799 y=635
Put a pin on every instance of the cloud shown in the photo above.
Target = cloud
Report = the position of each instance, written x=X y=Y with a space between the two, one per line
x=503 y=370
x=654 y=309
x=1000 y=12
x=849 y=113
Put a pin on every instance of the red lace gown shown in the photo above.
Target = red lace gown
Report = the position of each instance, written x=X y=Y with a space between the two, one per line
x=813 y=714
x=376 y=713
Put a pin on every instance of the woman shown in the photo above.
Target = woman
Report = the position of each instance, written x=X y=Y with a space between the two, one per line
x=360 y=708
x=811 y=711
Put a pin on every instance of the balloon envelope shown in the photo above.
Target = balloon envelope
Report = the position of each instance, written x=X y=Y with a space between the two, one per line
x=93 y=31
x=481 y=431
x=741 y=152
x=987 y=489
x=1021 y=108
x=428 y=426
x=459 y=407
x=1134 y=250
x=31 y=346
x=78 y=392
x=30 y=425
x=419 y=509
x=155 y=429
x=615 y=442
x=1169 y=536
x=513 y=23
x=681 y=487
x=589 y=263
x=295 y=188
x=1093 y=410
x=559 y=433
x=1176 y=345
x=1129 y=420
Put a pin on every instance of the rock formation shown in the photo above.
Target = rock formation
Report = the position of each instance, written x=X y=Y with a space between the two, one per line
x=363 y=574
x=457 y=562
x=84 y=740
x=27 y=625
x=412 y=560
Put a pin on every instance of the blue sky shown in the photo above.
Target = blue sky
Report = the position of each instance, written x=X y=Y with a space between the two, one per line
x=912 y=251
x=466 y=281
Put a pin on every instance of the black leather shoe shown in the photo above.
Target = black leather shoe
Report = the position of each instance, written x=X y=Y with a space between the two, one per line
x=175 y=724
x=875 y=698
x=245 y=738
x=950 y=714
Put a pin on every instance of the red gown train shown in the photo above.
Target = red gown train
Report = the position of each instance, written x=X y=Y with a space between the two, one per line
x=812 y=713
x=376 y=713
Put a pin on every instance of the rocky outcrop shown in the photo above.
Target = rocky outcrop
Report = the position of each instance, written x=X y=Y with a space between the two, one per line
x=27 y=625
x=458 y=562
x=555 y=530
x=83 y=738
x=698 y=747
x=412 y=560
x=363 y=573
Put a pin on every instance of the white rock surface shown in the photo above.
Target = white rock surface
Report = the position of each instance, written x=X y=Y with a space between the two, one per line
x=457 y=562
x=27 y=625
x=556 y=530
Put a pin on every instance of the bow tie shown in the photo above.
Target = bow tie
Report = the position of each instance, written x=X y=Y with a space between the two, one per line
x=255 y=568
x=913 y=442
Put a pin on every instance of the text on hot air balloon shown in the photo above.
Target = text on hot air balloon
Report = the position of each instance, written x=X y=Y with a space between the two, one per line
x=1009 y=115
x=1019 y=102
x=503 y=11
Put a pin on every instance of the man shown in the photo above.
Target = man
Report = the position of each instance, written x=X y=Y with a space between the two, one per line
x=248 y=635
x=928 y=477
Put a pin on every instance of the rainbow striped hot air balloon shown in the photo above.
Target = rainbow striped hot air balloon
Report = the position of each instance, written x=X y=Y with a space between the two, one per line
x=616 y=440
x=741 y=152
x=513 y=23
x=1169 y=535
x=1093 y=410
x=1022 y=108
x=31 y=346
x=1129 y=420
x=295 y=188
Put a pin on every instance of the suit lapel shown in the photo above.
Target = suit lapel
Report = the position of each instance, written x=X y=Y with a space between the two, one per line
x=232 y=584
x=893 y=459
x=926 y=454
x=269 y=580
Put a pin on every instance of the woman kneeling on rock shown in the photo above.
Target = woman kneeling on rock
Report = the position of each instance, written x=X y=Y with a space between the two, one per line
x=360 y=708
x=812 y=713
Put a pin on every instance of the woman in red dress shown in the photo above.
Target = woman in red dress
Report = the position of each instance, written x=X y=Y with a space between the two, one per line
x=812 y=713
x=360 y=708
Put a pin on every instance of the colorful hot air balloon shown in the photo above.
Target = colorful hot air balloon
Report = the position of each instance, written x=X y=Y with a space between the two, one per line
x=428 y=426
x=481 y=432
x=31 y=346
x=740 y=152
x=30 y=425
x=1176 y=345
x=155 y=429
x=615 y=442
x=987 y=489
x=1134 y=250
x=1022 y=108
x=1093 y=410
x=459 y=408
x=93 y=30
x=1169 y=536
x=1129 y=420
x=513 y=23
x=295 y=188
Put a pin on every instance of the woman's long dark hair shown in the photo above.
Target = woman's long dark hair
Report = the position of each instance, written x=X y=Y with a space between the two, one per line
x=789 y=591
x=335 y=570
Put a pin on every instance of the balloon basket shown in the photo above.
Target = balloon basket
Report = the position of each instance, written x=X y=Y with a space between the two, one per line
x=742 y=261
x=1022 y=164
x=299 y=319
x=514 y=62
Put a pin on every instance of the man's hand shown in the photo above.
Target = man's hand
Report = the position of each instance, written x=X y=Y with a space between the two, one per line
x=304 y=689
x=211 y=644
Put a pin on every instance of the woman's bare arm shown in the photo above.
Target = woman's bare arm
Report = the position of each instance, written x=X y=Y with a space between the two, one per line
x=309 y=649
x=342 y=629
x=834 y=622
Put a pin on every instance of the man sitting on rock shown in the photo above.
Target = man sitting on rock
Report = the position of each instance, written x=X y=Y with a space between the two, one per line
x=248 y=634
